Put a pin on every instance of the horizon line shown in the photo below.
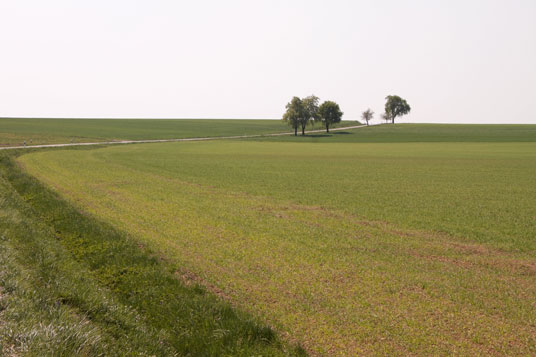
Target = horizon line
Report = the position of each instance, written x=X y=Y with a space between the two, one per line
x=184 y=118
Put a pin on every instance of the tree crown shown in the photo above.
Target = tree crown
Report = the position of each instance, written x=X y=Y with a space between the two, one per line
x=295 y=112
x=396 y=106
x=367 y=115
x=330 y=112
x=310 y=105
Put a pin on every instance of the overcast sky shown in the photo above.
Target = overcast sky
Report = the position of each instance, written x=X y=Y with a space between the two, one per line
x=465 y=61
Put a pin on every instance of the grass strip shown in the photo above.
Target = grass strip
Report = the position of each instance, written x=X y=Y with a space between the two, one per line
x=49 y=303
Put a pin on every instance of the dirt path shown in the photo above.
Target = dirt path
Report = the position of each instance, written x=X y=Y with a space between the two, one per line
x=169 y=140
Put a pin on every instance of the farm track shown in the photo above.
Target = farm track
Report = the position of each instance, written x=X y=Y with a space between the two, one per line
x=169 y=140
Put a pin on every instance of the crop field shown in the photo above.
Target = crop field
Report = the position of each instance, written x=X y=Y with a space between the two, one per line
x=402 y=133
x=14 y=131
x=381 y=240
x=72 y=285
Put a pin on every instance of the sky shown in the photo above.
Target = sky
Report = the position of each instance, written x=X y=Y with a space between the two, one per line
x=454 y=61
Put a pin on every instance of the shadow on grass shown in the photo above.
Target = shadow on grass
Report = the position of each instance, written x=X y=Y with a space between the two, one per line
x=317 y=136
x=325 y=135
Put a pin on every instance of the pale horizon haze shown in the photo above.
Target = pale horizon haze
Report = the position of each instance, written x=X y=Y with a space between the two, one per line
x=470 y=61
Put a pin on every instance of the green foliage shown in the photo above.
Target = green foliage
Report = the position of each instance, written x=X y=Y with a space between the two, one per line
x=330 y=113
x=301 y=112
x=396 y=107
x=295 y=114
x=310 y=105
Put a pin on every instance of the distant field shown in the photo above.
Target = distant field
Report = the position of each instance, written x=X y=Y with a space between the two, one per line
x=14 y=132
x=401 y=133
x=349 y=248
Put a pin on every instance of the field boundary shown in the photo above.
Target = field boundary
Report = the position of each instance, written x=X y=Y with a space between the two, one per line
x=171 y=140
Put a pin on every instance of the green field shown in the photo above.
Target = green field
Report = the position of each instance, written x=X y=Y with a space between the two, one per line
x=13 y=132
x=394 y=246
x=407 y=133
x=52 y=131
x=71 y=285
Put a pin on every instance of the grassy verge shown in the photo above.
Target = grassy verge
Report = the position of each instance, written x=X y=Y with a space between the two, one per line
x=73 y=285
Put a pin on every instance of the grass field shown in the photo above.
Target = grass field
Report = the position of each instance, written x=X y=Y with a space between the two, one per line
x=71 y=285
x=346 y=247
x=406 y=133
x=13 y=132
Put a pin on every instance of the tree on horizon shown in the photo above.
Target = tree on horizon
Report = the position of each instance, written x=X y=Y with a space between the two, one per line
x=396 y=107
x=367 y=115
x=330 y=113
x=294 y=114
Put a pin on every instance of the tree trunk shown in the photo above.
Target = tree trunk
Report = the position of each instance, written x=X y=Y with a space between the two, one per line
x=303 y=130
x=327 y=127
x=392 y=120
x=295 y=131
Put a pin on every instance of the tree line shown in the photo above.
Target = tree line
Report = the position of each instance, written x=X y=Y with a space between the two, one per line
x=302 y=111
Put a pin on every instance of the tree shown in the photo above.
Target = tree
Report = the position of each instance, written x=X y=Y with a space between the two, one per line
x=330 y=113
x=294 y=114
x=385 y=117
x=310 y=105
x=396 y=107
x=367 y=115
